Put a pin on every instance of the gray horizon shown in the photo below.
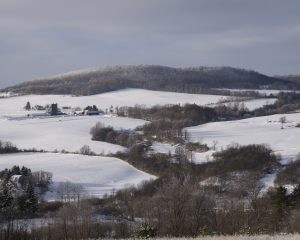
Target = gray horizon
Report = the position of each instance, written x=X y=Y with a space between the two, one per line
x=44 y=38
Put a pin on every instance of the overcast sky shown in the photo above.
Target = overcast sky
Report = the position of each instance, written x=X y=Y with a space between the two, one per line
x=41 y=38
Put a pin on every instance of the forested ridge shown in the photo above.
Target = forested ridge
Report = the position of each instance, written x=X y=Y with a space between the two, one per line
x=191 y=80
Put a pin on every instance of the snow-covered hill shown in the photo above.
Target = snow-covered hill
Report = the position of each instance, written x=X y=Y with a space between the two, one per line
x=259 y=130
x=98 y=175
x=58 y=133
x=127 y=97
x=70 y=133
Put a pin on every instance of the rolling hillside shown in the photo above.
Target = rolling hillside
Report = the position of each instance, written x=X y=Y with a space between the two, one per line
x=191 y=80
x=292 y=78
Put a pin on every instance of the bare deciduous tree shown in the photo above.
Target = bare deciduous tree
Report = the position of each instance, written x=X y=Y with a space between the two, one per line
x=283 y=121
x=215 y=143
x=69 y=192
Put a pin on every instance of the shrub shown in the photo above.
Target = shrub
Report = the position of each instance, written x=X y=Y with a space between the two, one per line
x=290 y=174
x=85 y=150
x=249 y=158
x=146 y=231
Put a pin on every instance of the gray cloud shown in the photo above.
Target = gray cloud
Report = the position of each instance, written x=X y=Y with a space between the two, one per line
x=41 y=38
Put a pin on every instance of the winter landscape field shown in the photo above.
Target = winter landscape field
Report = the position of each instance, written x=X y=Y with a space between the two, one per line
x=70 y=133
x=130 y=119
x=258 y=130
x=127 y=97
x=123 y=148
x=63 y=132
x=98 y=175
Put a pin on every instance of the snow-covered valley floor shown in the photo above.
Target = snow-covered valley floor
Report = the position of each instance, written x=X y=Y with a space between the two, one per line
x=98 y=175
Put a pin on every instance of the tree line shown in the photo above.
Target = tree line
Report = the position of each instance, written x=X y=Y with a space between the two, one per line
x=190 y=80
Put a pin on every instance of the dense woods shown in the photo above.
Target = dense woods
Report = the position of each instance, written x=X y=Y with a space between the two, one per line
x=183 y=201
x=290 y=174
x=167 y=122
x=124 y=138
x=190 y=80
x=178 y=203
x=247 y=158
x=20 y=190
x=286 y=102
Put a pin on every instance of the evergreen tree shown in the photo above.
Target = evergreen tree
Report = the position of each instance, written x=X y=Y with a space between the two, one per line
x=7 y=190
x=32 y=199
x=27 y=106
x=28 y=202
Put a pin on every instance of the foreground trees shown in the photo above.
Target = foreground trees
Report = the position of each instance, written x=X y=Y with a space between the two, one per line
x=184 y=201
x=20 y=190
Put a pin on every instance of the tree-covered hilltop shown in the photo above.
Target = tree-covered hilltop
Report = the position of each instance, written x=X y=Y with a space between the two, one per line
x=292 y=78
x=191 y=80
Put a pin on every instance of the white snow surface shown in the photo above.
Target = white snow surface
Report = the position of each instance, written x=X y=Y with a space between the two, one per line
x=165 y=148
x=259 y=130
x=58 y=133
x=258 y=103
x=268 y=182
x=126 y=97
x=98 y=175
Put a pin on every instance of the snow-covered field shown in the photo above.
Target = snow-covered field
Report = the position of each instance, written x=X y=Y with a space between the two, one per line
x=98 y=175
x=166 y=148
x=70 y=133
x=163 y=148
x=259 y=130
x=126 y=97
x=58 y=133
x=258 y=103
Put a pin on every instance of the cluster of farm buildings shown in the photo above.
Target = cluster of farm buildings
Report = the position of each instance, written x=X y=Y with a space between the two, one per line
x=54 y=110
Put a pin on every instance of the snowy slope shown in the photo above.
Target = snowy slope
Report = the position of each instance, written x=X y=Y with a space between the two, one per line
x=166 y=148
x=258 y=103
x=260 y=130
x=98 y=175
x=127 y=97
x=68 y=133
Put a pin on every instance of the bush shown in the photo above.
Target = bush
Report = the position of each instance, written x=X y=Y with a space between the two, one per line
x=197 y=147
x=146 y=231
x=245 y=158
x=85 y=150
x=107 y=134
x=290 y=174
x=46 y=207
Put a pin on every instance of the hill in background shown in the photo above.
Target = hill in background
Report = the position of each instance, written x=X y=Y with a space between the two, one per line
x=191 y=80
x=292 y=78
